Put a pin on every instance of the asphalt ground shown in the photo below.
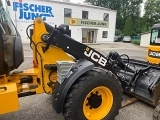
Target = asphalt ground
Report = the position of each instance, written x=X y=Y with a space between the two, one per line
x=38 y=107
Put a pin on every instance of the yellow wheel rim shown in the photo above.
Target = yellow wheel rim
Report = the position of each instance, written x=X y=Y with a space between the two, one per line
x=98 y=103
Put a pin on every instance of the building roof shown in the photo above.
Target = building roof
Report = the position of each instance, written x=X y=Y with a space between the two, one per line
x=156 y=26
x=78 y=4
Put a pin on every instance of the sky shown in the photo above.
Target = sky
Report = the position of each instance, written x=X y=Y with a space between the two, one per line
x=77 y=1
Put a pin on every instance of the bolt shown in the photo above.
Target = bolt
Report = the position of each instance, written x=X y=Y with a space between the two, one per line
x=39 y=21
x=87 y=104
x=90 y=108
x=96 y=92
x=132 y=90
x=45 y=37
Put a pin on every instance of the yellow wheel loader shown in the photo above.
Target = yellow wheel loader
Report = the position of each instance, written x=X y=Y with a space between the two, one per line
x=62 y=67
x=85 y=85
x=154 y=47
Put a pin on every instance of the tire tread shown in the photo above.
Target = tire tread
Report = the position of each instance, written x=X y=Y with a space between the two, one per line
x=79 y=84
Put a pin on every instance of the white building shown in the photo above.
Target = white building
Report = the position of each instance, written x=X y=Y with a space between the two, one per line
x=145 y=39
x=88 y=24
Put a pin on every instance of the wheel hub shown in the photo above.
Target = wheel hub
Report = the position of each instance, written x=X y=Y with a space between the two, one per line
x=94 y=100
x=98 y=103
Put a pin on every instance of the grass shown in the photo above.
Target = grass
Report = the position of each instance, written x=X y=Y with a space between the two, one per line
x=136 y=41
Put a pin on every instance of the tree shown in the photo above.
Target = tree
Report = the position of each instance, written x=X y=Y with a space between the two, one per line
x=128 y=30
x=124 y=8
x=145 y=25
x=152 y=12
x=118 y=32
x=136 y=25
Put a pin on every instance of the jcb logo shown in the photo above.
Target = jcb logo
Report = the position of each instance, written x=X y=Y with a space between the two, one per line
x=95 y=57
x=155 y=54
x=73 y=21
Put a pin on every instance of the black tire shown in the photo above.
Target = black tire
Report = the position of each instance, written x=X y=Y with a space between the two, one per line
x=73 y=106
x=156 y=113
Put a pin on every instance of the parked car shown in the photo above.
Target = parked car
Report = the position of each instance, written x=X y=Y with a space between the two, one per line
x=117 y=38
x=127 y=39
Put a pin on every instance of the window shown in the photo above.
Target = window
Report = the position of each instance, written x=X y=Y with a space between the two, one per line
x=84 y=14
x=106 y=17
x=155 y=37
x=67 y=12
x=105 y=34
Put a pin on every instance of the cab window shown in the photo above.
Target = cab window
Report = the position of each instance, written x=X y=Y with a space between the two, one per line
x=155 y=36
x=6 y=23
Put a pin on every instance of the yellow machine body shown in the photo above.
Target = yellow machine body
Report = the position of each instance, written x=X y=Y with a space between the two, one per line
x=40 y=75
x=153 y=55
x=8 y=98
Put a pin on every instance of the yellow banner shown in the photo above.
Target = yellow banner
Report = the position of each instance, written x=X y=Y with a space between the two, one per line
x=85 y=22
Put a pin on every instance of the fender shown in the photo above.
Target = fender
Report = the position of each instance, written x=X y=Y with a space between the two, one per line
x=61 y=90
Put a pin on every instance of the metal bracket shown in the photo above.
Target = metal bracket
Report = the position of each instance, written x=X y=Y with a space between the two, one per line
x=63 y=70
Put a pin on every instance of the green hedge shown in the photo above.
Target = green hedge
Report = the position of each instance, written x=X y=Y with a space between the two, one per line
x=136 y=41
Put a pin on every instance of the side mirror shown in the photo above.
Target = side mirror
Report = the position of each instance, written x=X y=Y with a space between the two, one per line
x=63 y=29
